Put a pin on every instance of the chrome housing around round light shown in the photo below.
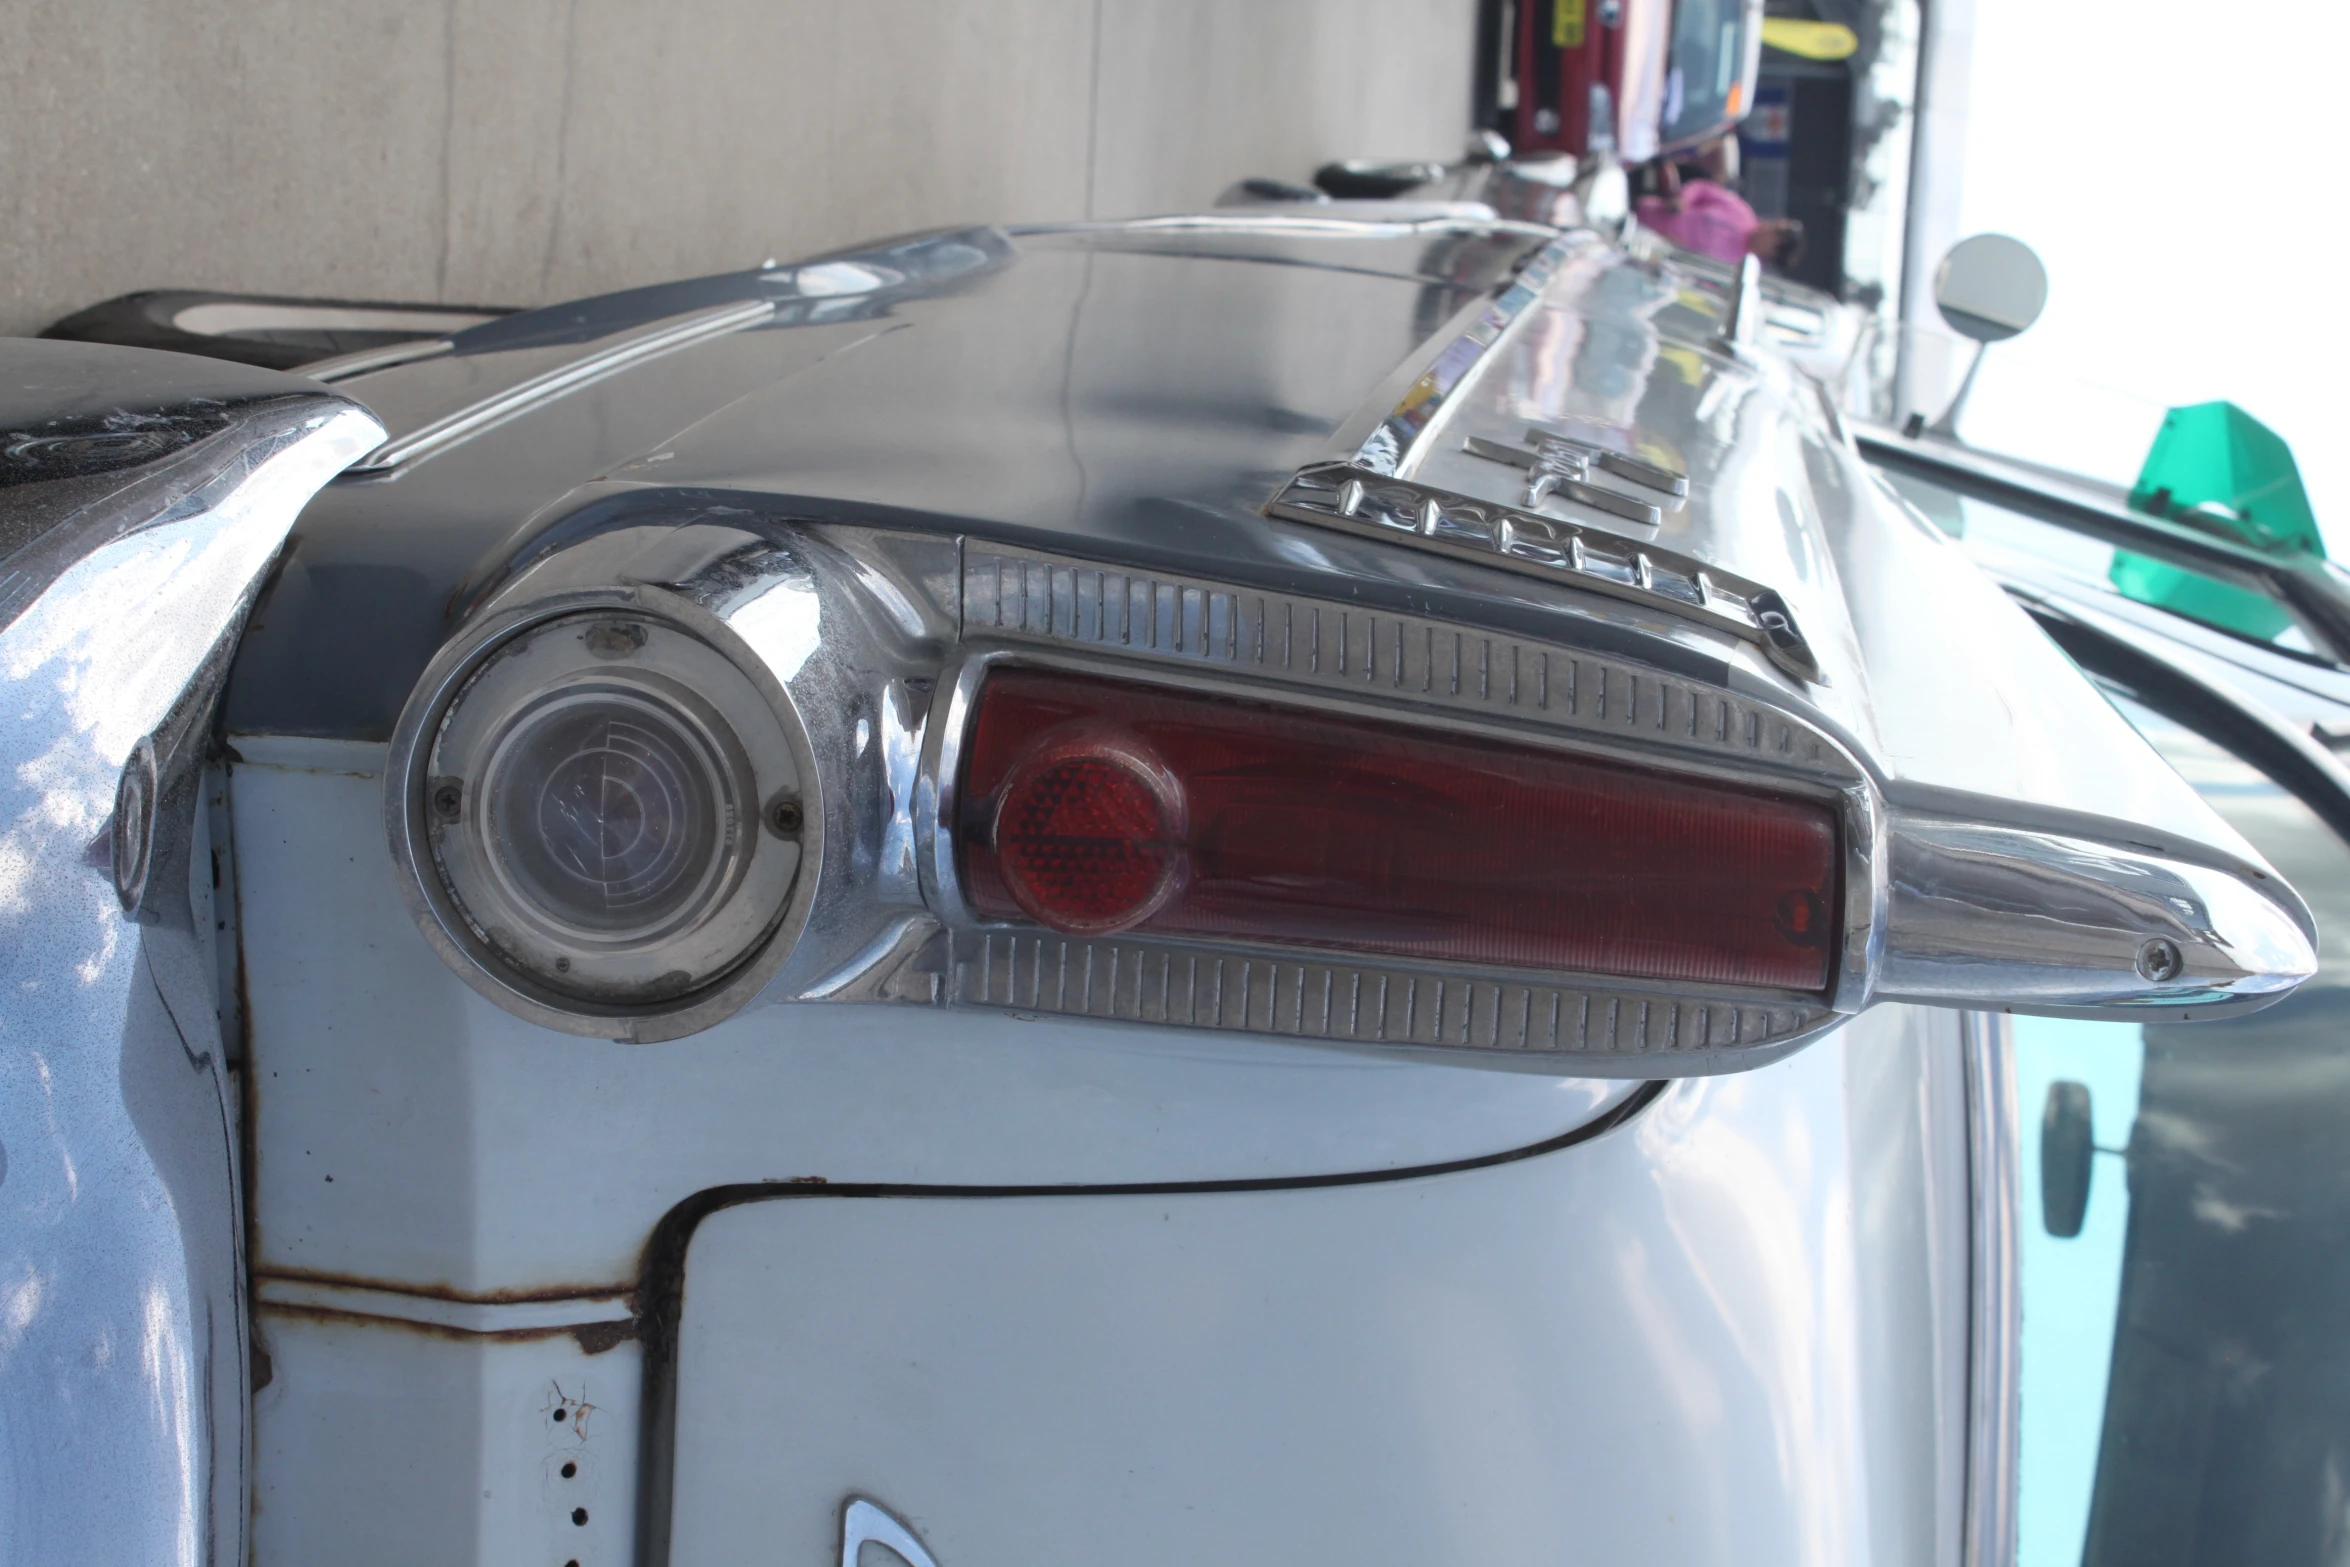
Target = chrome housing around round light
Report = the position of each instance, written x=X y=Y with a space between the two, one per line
x=601 y=814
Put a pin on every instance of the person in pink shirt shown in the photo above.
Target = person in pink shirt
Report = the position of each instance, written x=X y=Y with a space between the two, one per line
x=1715 y=221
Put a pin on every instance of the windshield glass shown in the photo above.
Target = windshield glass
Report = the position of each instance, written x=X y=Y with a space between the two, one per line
x=1703 y=86
x=2186 y=1332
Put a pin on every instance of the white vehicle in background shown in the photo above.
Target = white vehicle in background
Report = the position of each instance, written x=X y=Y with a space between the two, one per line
x=1257 y=886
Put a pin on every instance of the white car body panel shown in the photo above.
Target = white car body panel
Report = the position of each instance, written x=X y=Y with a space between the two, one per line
x=1770 y=1264
x=1703 y=1338
x=1732 y=1330
x=382 y=1443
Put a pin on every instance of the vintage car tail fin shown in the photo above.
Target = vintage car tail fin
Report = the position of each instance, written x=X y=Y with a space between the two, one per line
x=1583 y=705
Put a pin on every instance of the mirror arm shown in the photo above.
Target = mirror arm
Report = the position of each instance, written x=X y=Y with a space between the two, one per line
x=1947 y=425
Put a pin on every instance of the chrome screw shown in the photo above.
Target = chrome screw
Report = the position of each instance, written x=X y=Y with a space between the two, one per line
x=2159 y=960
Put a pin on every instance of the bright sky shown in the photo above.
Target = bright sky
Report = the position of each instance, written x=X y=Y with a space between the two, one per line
x=2184 y=171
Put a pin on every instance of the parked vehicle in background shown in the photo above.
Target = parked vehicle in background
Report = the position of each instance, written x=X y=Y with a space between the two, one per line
x=1638 y=77
x=1313 y=882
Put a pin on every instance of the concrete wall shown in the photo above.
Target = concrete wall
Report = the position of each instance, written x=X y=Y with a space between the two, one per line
x=520 y=151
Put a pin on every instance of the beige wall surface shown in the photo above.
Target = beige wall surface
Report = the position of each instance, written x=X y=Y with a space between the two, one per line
x=520 y=151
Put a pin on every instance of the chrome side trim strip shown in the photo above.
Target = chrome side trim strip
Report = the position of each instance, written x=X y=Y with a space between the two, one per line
x=367 y=360
x=462 y=425
x=1012 y=593
x=1343 y=496
x=1285 y=223
x=1428 y=397
x=1995 y=1295
x=2314 y=591
x=328 y=1297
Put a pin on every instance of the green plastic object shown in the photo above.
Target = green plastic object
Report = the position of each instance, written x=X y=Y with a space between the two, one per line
x=2215 y=467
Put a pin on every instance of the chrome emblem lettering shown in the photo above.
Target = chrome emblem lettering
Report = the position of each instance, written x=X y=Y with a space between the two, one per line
x=1405 y=511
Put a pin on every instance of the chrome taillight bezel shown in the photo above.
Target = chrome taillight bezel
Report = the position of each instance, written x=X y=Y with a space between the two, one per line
x=1605 y=1024
x=1206 y=638
x=741 y=941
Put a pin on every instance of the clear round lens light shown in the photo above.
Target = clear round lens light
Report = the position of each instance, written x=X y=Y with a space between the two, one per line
x=609 y=814
x=611 y=808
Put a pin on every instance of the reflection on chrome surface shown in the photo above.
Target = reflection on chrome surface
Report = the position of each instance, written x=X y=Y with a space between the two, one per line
x=2184 y=1356
x=122 y=1358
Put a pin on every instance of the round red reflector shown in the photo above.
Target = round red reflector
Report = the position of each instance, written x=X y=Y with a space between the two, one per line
x=1089 y=836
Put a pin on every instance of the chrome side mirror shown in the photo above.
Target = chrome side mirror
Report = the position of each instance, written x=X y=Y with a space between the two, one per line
x=2068 y=1152
x=1989 y=289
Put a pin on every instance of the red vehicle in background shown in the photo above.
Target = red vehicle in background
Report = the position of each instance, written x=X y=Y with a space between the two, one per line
x=1641 y=76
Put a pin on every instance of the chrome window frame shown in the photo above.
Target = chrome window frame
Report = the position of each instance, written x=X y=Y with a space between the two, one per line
x=1995 y=1298
x=2315 y=593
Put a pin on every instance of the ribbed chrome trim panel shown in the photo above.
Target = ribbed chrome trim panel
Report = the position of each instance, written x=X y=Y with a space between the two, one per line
x=1333 y=647
x=1308 y=997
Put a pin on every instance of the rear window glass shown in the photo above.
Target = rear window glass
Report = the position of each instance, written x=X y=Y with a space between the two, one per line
x=2185 y=1351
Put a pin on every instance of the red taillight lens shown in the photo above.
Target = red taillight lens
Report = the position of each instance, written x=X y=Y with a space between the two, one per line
x=1089 y=833
x=1093 y=806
